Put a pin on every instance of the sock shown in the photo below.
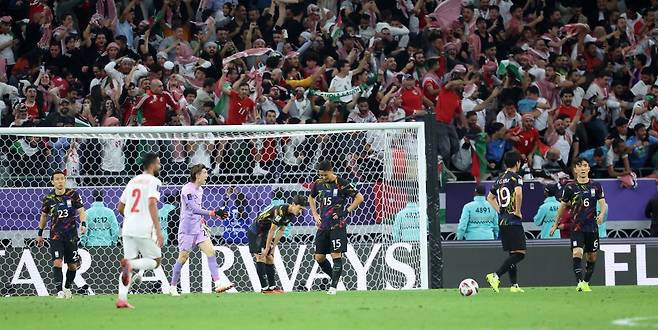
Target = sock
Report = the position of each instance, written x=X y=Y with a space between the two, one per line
x=143 y=264
x=123 y=290
x=577 y=268
x=57 y=275
x=337 y=271
x=176 y=275
x=513 y=259
x=589 y=270
x=260 y=269
x=70 y=276
x=214 y=272
x=325 y=266
x=269 y=270
x=513 y=275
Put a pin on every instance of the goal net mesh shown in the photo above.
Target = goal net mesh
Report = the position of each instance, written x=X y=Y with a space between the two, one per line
x=249 y=171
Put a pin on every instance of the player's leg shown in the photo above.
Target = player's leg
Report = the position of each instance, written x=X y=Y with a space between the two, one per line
x=57 y=252
x=591 y=251
x=322 y=248
x=577 y=244
x=130 y=251
x=269 y=270
x=256 y=250
x=175 y=276
x=72 y=259
x=338 y=247
x=515 y=256
x=513 y=240
x=209 y=250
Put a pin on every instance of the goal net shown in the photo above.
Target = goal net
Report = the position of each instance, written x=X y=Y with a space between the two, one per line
x=252 y=167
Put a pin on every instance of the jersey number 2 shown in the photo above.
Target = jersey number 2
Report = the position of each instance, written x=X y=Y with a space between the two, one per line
x=137 y=194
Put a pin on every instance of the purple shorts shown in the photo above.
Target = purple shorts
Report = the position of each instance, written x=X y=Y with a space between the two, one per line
x=187 y=242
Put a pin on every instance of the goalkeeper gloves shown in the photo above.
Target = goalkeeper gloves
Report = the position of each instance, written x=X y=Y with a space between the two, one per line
x=221 y=212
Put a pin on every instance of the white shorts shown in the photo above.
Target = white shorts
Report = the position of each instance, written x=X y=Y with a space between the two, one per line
x=133 y=246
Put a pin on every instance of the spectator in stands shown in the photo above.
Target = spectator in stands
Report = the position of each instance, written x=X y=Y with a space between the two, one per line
x=620 y=131
x=642 y=146
x=508 y=116
x=499 y=143
x=645 y=111
x=526 y=139
x=478 y=220
x=617 y=157
x=153 y=105
x=561 y=136
x=102 y=225
x=471 y=102
x=448 y=108
x=362 y=114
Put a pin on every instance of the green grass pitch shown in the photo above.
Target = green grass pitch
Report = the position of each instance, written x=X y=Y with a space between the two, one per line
x=537 y=308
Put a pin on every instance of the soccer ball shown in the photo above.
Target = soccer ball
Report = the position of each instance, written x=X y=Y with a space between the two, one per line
x=469 y=287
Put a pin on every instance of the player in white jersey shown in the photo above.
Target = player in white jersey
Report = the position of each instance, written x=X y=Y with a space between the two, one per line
x=139 y=206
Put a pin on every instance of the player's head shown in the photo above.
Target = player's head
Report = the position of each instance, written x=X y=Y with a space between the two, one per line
x=58 y=178
x=151 y=163
x=512 y=160
x=326 y=171
x=581 y=168
x=479 y=190
x=550 y=190
x=298 y=204
x=199 y=174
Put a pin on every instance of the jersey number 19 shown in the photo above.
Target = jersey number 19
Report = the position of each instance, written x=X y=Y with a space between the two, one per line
x=504 y=197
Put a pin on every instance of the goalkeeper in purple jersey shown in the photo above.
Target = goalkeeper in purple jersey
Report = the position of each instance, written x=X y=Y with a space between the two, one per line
x=582 y=197
x=193 y=231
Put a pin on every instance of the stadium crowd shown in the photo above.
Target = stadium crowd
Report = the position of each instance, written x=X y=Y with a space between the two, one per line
x=551 y=79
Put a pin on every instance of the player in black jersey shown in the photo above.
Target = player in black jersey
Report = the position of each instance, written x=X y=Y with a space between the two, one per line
x=265 y=233
x=62 y=205
x=506 y=196
x=582 y=197
x=332 y=194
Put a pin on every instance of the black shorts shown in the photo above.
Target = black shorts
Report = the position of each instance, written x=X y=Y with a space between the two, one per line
x=66 y=250
x=257 y=242
x=331 y=241
x=512 y=237
x=589 y=242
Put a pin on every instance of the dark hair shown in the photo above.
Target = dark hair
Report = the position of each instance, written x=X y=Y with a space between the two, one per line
x=511 y=158
x=361 y=100
x=471 y=114
x=494 y=128
x=565 y=91
x=579 y=160
x=598 y=152
x=268 y=111
x=533 y=90
x=195 y=170
x=52 y=175
x=642 y=58
x=325 y=165
x=149 y=159
x=341 y=63
x=189 y=91
x=98 y=195
x=299 y=200
x=209 y=82
x=639 y=126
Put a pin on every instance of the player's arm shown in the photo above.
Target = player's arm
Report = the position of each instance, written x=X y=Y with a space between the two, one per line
x=43 y=220
x=121 y=207
x=82 y=214
x=518 y=194
x=358 y=199
x=491 y=198
x=314 y=211
x=196 y=209
x=603 y=206
x=153 y=210
x=463 y=222
x=279 y=234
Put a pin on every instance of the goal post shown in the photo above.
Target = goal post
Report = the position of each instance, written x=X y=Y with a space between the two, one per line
x=252 y=167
